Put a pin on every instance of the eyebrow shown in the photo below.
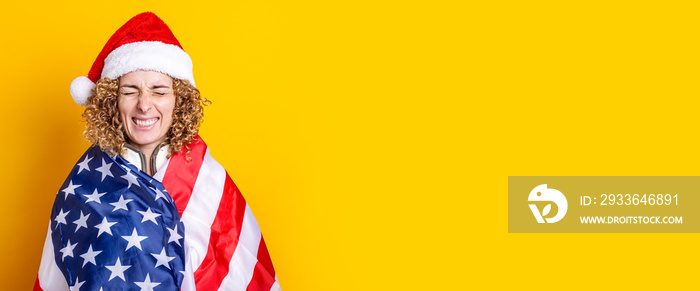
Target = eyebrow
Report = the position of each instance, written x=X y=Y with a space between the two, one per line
x=152 y=87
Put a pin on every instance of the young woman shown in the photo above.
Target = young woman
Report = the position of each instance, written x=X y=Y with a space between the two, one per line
x=147 y=206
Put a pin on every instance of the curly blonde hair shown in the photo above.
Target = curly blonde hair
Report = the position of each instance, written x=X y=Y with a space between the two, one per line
x=105 y=128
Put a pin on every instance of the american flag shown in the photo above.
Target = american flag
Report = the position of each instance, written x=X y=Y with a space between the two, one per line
x=115 y=228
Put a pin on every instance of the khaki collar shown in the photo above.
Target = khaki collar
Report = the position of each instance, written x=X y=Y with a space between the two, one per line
x=138 y=158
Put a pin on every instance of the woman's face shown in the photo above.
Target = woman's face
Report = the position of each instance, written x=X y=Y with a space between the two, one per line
x=146 y=103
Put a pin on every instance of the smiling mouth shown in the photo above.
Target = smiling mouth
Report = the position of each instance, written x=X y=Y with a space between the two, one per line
x=145 y=122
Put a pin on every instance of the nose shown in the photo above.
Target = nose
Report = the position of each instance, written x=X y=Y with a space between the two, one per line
x=144 y=103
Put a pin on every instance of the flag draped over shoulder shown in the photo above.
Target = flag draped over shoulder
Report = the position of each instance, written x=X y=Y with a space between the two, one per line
x=192 y=232
x=112 y=227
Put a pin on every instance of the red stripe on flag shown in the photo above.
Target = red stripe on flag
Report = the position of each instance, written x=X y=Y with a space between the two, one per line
x=264 y=273
x=225 y=232
x=37 y=287
x=180 y=176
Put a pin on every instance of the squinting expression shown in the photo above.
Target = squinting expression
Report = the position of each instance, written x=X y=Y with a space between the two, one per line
x=146 y=103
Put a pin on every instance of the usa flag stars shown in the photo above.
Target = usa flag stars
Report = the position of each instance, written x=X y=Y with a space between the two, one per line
x=114 y=227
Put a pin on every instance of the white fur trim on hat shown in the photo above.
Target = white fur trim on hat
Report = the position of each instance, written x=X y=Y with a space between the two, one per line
x=151 y=56
x=81 y=89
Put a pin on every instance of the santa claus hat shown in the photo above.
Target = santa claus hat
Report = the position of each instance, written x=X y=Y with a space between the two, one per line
x=143 y=43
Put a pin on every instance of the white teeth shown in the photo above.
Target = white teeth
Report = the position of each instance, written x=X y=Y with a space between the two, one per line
x=145 y=122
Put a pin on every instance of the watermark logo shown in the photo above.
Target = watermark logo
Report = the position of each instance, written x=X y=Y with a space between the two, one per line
x=542 y=194
x=603 y=204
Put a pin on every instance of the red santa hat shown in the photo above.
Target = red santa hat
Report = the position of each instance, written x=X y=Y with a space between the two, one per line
x=143 y=43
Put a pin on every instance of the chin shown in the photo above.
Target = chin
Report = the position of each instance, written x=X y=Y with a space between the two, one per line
x=143 y=140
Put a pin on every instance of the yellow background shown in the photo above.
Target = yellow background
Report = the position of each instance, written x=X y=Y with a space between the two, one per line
x=373 y=139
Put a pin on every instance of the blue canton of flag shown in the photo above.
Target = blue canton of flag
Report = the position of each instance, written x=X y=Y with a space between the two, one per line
x=115 y=228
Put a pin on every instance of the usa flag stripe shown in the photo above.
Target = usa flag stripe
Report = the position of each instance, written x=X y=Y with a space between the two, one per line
x=264 y=258
x=264 y=274
x=245 y=257
x=224 y=237
x=50 y=277
x=181 y=174
x=262 y=280
x=199 y=214
x=276 y=285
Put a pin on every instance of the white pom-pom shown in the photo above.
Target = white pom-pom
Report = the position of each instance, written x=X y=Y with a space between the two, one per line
x=80 y=89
